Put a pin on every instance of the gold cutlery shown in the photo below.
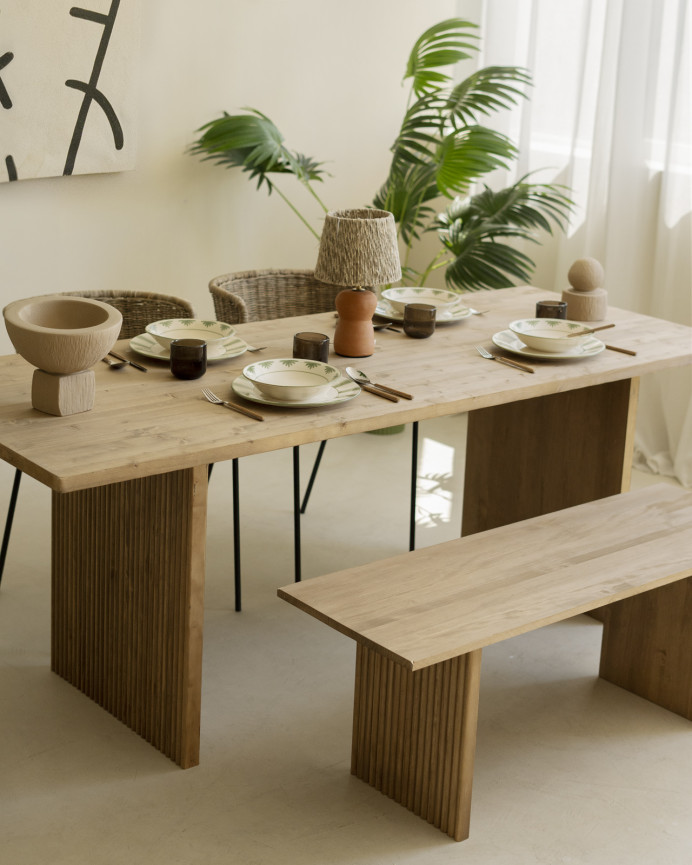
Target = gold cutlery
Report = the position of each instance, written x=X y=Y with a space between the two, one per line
x=623 y=350
x=131 y=362
x=383 y=393
x=253 y=348
x=517 y=364
x=114 y=364
x=361 y=378
x=212 y=397
x=387 y=325
x=589 y=330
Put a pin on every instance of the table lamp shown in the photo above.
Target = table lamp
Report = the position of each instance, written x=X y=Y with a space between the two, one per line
x=358 y=249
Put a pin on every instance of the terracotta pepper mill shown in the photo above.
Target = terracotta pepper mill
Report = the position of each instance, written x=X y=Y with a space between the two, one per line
x=586 y=299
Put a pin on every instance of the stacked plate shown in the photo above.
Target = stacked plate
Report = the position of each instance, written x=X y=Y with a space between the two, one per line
x=292 y=382
x=549 y=338
x=222 y=340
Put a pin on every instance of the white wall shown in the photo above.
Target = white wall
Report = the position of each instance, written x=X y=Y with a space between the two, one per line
x=328 y=73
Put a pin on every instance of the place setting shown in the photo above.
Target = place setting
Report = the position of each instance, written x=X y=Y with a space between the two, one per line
x=449 y=305
x=220 y=338
x=549 y=338
x=307 y=379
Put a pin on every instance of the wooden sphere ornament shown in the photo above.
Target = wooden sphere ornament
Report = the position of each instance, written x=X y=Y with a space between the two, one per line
x=586 y=298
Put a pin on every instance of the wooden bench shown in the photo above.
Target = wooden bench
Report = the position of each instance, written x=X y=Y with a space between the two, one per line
x=421 y=619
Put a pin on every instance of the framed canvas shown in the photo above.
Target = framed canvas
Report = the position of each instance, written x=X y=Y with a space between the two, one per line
x=67 y=87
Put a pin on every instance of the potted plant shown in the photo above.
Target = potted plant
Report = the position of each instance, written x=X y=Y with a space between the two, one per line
x=442 y=149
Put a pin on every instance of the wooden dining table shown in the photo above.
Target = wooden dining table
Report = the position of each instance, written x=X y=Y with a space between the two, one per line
x=129 y=477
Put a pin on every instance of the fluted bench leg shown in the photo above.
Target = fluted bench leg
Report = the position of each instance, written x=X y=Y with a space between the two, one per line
x=127 y=605
x=414 y=734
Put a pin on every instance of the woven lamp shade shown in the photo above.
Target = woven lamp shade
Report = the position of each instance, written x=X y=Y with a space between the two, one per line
x=357 y=248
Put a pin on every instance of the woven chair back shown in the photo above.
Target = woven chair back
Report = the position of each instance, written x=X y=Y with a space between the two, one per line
x=140 y=308
x=256 y=295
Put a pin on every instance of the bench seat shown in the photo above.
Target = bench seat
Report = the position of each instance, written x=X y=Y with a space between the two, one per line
x=421 y=619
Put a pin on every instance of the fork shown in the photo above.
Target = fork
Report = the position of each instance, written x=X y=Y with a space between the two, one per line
x=254 y=348
x=515 y=363
x=212 y=397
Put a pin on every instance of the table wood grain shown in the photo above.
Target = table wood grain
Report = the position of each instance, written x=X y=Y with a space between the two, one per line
x=149 y=423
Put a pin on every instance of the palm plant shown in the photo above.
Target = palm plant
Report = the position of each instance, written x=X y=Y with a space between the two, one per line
x=441 y=150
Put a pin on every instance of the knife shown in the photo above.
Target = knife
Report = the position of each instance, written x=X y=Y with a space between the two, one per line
x=386 y=387
x=127 y=360
x=377 y=392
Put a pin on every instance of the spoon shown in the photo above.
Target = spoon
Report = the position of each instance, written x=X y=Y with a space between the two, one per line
x=114 y=364
x=361 y=378
x=385 y=325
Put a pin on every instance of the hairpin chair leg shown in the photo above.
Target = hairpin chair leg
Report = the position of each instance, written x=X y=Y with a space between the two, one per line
x=9 y=520
x=313 y=475
x=236 y=533
x=296 y=513
x=414 y=480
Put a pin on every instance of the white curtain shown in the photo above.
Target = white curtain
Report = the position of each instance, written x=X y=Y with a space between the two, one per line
x=610 y=115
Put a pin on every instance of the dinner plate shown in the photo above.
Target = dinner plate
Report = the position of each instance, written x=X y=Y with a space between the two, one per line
x=456 y=313
x=342 y=390
x=511 y=342
x=147 y=345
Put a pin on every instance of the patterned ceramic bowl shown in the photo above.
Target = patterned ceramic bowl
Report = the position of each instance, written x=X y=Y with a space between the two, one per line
x=439 y=297
x=291 y=379
x=214 y=333
x=548 y=334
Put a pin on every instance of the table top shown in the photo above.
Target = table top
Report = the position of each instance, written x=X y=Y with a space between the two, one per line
x=427 y=606
x=150 y=423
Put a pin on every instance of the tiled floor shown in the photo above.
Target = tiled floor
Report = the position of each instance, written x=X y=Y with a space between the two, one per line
x=569 y=769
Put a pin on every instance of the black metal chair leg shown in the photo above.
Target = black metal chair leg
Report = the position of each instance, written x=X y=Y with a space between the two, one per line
x=296 y=513
x=236 y=534
x=9 y=520
x=414 y=480
x=313 y=475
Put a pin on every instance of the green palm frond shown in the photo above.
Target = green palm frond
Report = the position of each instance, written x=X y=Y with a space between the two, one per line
x=254 y=144
x=472 y=229
x=487 y=263
x=405 y=195
x=468 y=154
x=443 y=44
x=484 y=92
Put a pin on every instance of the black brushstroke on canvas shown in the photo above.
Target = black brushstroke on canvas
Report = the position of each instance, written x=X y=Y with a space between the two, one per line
x=11 y=168
x=6 y=102
x=90 y=90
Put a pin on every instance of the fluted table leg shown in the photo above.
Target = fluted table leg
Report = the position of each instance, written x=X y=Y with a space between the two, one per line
x=414 y=734
x=128 y=603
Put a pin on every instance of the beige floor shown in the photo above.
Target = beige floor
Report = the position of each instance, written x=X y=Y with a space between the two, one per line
x=569 y=769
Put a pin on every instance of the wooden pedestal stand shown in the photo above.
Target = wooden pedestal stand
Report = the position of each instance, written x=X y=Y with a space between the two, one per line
x=585 y=299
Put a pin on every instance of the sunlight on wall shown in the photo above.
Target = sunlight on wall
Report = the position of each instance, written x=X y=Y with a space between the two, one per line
x=434 y=492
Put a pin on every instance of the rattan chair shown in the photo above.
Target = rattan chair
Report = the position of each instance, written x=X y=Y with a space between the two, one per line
x=138 y=309
x=256 y=295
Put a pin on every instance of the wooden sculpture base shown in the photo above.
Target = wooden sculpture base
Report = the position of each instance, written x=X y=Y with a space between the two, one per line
x=354 y=335
x=63 y=394
x=586 y=305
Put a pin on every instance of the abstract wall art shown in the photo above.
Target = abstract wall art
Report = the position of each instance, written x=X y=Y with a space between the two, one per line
x=67 y=87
